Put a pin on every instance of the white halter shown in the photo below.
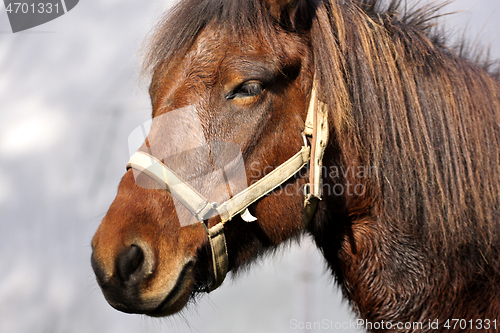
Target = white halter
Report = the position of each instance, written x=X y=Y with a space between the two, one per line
x=316 y=127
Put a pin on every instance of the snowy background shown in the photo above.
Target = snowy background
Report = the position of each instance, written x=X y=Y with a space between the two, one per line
x=69 y=97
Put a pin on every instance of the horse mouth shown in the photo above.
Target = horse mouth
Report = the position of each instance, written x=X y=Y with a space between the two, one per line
x=178 y=296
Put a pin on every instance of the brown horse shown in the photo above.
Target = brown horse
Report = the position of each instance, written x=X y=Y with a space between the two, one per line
x=409 y=221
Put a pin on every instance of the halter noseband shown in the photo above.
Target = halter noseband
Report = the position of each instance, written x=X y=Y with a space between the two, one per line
x=316 y=128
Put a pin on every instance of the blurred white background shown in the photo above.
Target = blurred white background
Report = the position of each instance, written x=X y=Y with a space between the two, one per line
x=69 y=97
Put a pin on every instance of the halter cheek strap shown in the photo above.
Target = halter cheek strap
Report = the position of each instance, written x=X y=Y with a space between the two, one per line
x=316 y=128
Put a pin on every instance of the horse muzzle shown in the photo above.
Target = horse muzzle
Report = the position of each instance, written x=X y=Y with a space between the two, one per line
x=127 y=283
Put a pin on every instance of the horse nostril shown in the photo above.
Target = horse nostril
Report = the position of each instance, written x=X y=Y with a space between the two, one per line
x=130 y=263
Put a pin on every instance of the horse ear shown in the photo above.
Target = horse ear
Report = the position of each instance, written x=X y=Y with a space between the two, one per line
x=291 y=13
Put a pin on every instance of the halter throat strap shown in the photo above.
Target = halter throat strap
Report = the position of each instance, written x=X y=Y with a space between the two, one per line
x=316 y=128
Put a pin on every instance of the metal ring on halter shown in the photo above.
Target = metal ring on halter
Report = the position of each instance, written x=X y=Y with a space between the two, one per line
x=305 y=139
x=307 y=189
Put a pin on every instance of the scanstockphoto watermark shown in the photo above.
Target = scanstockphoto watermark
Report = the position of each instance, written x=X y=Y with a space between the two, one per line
x=414 y=326
x=345 y=180
x=361 y=324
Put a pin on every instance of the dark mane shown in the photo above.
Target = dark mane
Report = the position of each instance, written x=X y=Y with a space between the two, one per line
x=401 y=101
x=178 y=30
x=419 y=114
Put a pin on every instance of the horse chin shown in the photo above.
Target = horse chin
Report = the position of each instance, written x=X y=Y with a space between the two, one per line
x=154 y=302
x=178 y=296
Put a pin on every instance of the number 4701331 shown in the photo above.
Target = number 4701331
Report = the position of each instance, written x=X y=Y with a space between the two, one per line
x=478 y=324
x=25 y=8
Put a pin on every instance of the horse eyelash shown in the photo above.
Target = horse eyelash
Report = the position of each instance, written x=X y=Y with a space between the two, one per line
x=239 y=90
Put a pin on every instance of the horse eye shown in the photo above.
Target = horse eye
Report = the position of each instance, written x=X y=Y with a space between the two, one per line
x=247 y=89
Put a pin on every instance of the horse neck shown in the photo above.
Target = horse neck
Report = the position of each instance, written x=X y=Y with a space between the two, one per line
x=425 y=120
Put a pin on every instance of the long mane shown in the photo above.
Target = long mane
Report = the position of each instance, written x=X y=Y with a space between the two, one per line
x=425 y=118
x=401 y=101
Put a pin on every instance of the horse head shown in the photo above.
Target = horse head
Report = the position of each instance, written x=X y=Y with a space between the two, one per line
x=245 y=87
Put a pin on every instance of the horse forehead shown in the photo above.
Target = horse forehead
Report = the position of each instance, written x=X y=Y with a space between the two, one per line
x=218 y=49
x=214 y=57
x=206 y=50
x=218 y=56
